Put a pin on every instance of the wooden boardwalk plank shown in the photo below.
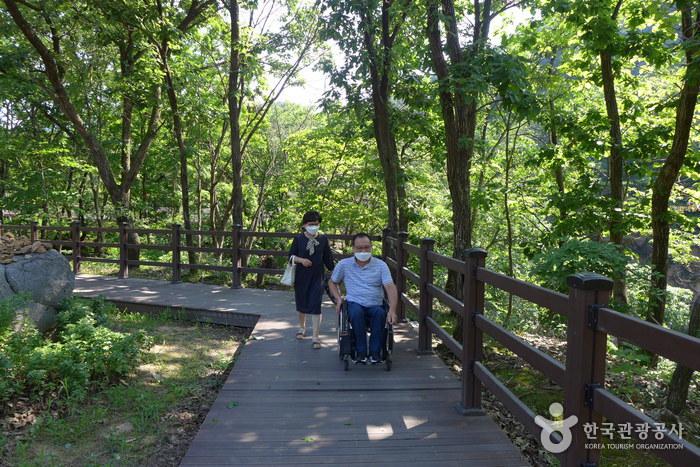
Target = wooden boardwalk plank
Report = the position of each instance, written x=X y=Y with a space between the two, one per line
x=285 y=403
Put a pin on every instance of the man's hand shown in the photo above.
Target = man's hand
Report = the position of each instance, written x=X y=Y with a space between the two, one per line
x=393 y=299
x=305 y=262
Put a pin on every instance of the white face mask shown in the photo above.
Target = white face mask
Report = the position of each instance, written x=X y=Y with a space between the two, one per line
x=363 y=255
x=312 y=229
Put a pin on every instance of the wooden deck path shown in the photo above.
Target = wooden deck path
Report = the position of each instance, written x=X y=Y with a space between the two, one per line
x=285 y=403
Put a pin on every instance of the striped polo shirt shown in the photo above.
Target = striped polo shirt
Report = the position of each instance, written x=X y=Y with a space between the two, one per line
x=363 y=284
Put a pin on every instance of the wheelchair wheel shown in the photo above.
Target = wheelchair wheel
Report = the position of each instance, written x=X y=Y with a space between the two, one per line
x=387 y=364
x=346 y=363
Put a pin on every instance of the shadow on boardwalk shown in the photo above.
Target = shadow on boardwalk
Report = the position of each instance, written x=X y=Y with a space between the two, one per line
x=285 y=403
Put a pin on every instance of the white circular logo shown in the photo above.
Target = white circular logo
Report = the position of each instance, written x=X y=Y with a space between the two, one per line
x=551 y=426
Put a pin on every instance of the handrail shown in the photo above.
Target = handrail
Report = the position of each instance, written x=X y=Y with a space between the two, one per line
x=408 y=302
x=589 y=321
x=451 y=343
x=412 y=249
x=235 y=253
x=446 y=299
x=681 y=348
x=586 y=311
x=539 y=360
x=410 y=275
x=141 y=231
x=555 y=301
x=452 y=264
x=618 y=411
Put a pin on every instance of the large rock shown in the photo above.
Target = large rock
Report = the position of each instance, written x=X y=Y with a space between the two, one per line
x=5 y=289
x=42 y=316
x=46 y=277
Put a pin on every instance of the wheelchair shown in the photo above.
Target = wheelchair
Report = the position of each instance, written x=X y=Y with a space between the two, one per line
x=346 y=340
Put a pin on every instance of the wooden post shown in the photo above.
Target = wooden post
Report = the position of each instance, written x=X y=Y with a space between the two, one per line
x=75 y=238
x=585 y=360
x=472 y=345
x=235 y=257
x=123 y=258
x=425 y=305
x=401 y=238
x=386 y=233
x=34 y=232
x=175 y=245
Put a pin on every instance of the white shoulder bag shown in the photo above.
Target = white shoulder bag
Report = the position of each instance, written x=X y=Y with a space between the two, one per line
x=288 y=276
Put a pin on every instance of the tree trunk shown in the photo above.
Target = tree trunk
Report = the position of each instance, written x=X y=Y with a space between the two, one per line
x=666 y=178
x=380 y=68
x=198 y=187
x=558 y=168
x=182 y=152
x=680 y=381
x=217 y=240
x=506 y=206
x=234 y=115
x=615 y=170
x=386 y=147
x=459 y=114
x=118 y=192
x=99 y=236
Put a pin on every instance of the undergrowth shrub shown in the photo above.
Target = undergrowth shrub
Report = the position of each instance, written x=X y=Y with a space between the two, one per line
x=81 y=355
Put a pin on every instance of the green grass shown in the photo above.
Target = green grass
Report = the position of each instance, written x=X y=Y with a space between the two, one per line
x=131 y=422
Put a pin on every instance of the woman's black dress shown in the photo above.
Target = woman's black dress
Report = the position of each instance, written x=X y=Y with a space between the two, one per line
x=308 y=282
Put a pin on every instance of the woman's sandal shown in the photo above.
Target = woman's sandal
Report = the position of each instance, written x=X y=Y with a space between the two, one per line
x=300 y=334
x=316 y=345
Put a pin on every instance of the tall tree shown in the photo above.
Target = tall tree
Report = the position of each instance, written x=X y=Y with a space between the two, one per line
x=55 y=61
x=290 y=48
x=615 y=161
x=368 y=32
x=191 y=16
x=458 y=69
x=668 y=173
x=458 y=105
x=235 y=98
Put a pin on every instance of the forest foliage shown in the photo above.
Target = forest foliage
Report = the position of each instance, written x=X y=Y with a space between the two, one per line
x=558 y=135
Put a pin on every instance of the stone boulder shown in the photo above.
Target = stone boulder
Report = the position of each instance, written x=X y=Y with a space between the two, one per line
x=41 y=316
x=46 y=277
x=5 y=289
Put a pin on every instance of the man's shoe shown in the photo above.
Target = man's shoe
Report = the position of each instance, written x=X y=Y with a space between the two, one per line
x=374 y=361
x=361 y=359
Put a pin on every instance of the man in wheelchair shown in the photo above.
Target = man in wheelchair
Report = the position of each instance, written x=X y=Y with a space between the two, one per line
x=366 y=279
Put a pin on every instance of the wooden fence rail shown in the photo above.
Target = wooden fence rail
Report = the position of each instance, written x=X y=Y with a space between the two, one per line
x=73 y=237
x=582 y=378
x=589 y=322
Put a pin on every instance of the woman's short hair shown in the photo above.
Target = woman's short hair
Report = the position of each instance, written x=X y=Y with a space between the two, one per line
x=311 y=216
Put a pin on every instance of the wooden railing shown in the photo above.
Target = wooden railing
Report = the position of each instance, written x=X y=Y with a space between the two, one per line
x=72 y=238
x=589 y=321
x=582 y=377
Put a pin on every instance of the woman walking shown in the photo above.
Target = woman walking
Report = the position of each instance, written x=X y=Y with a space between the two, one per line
x=311 y=252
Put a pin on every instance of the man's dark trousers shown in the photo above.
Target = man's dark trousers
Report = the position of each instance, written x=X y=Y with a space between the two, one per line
x=360 y=316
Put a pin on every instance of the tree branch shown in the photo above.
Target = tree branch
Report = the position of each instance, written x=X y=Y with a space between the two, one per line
x=154 y=126
x=64 y=101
